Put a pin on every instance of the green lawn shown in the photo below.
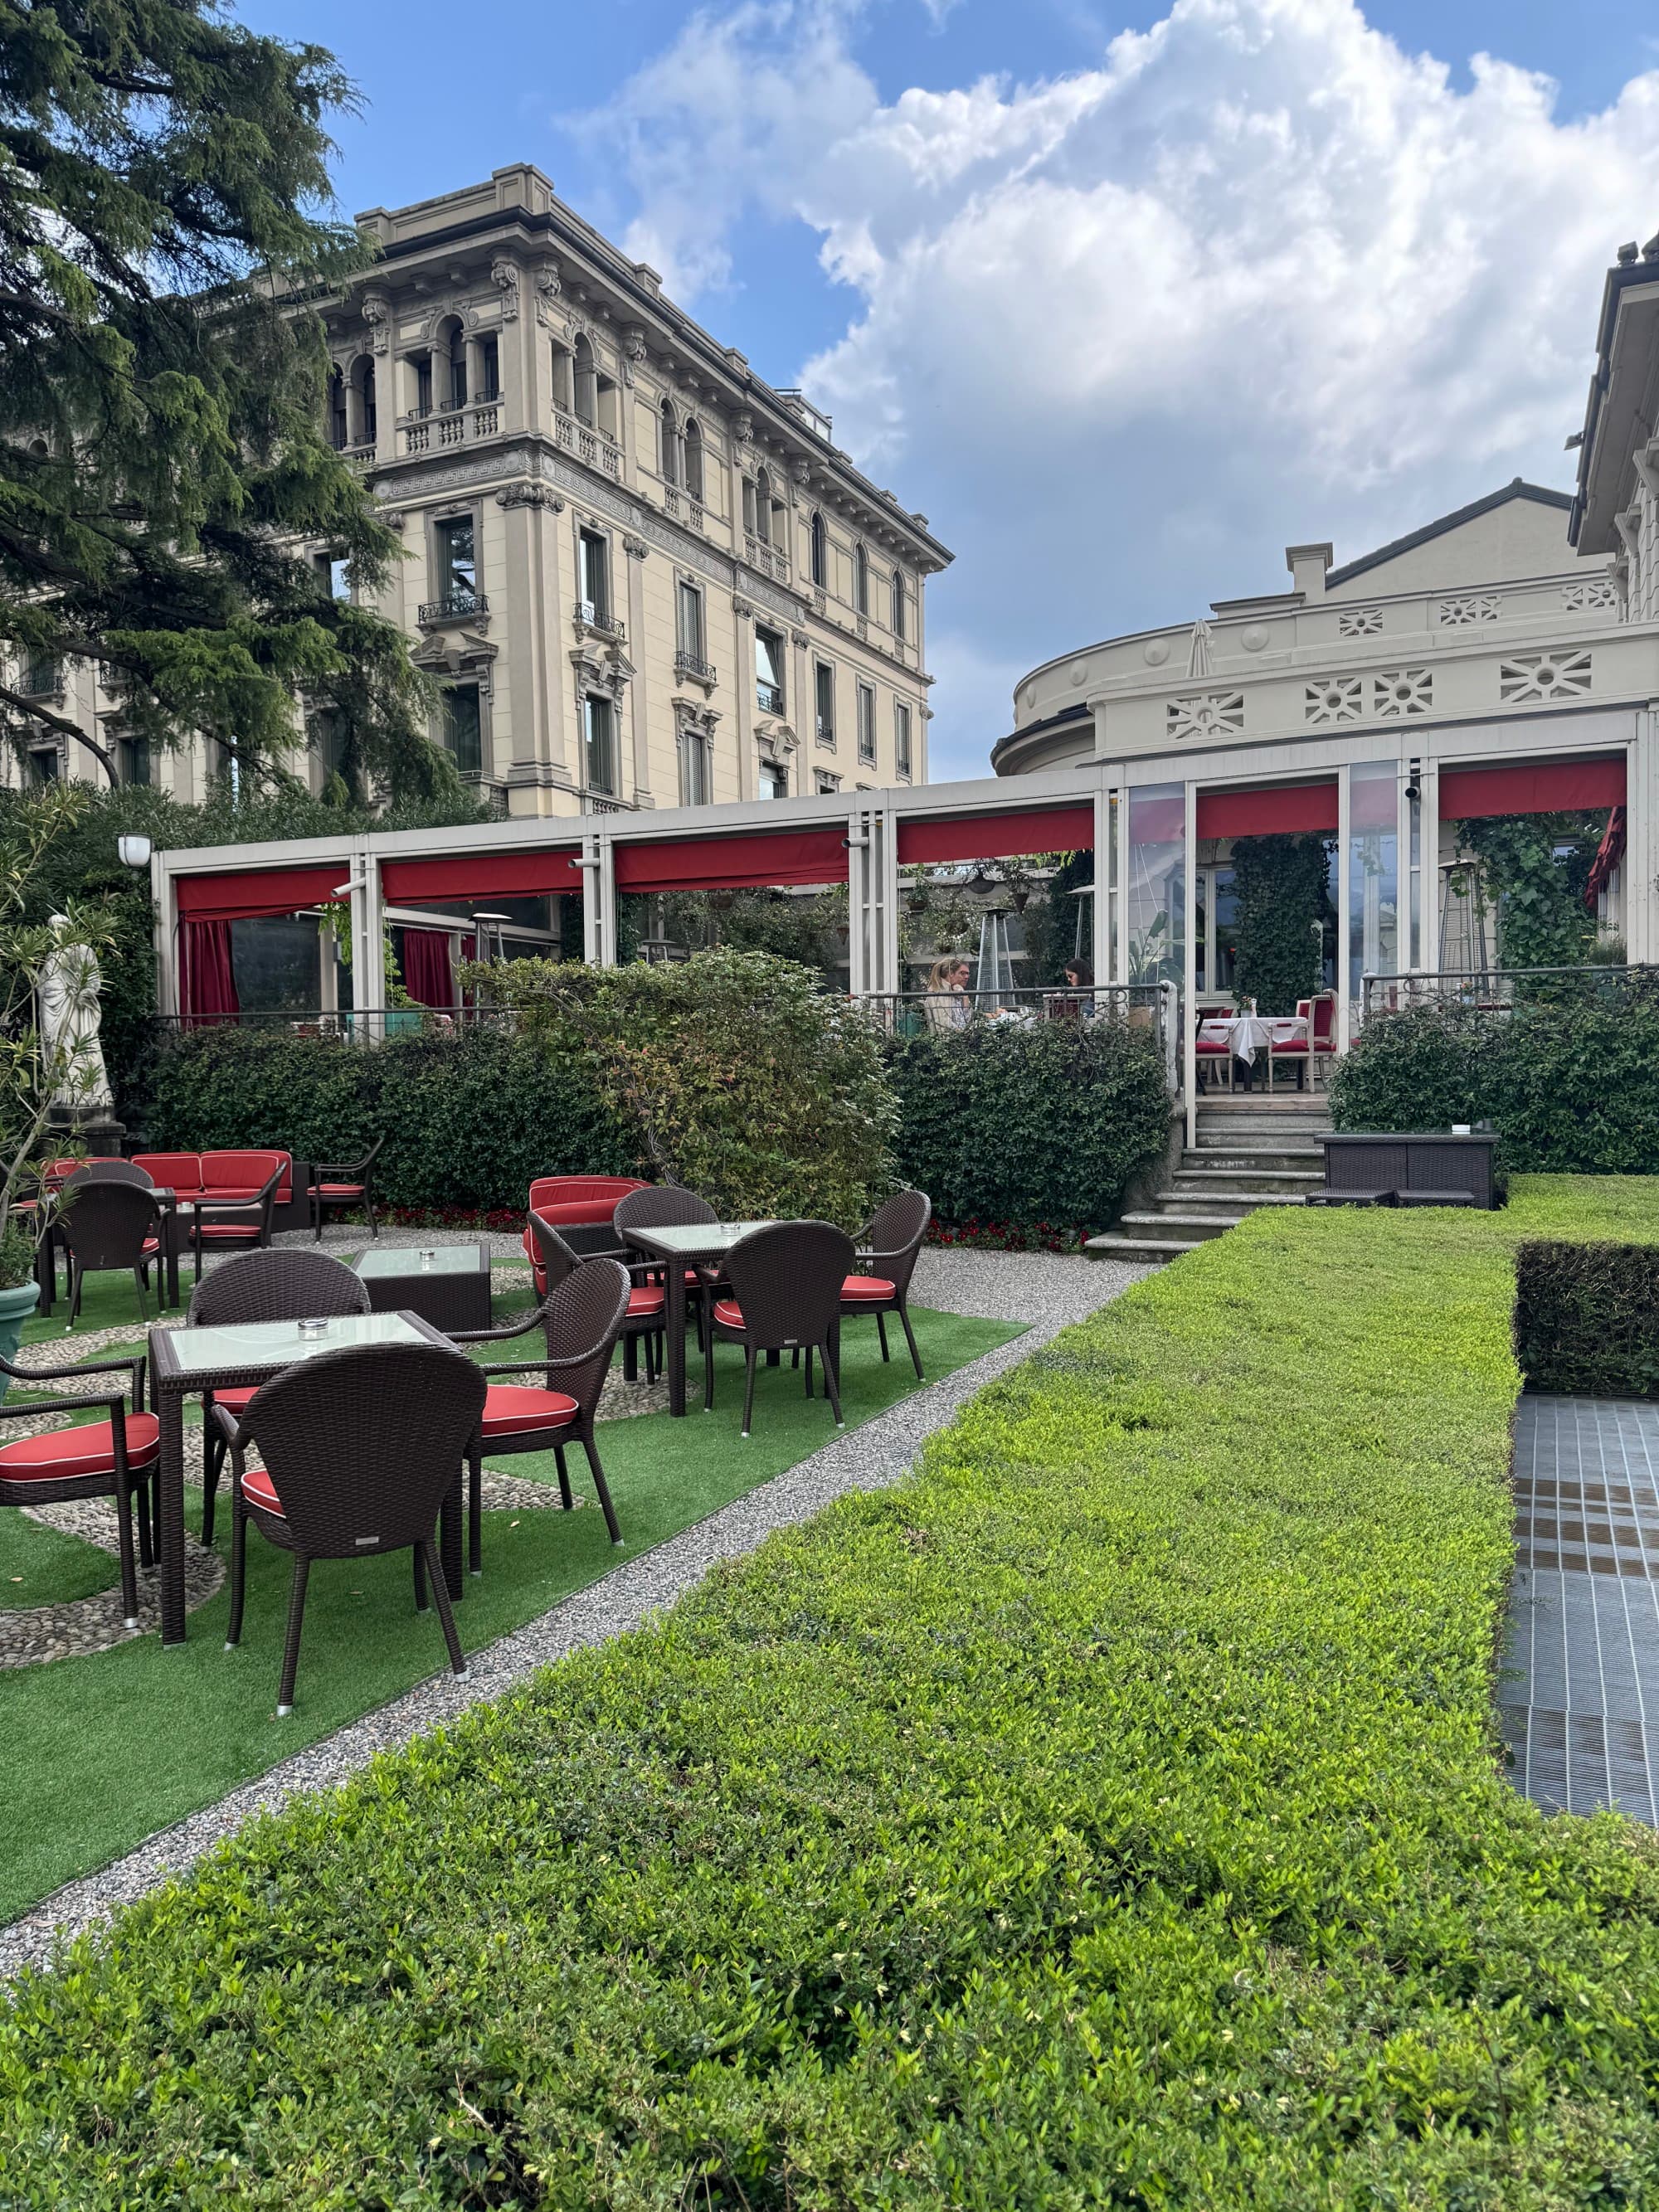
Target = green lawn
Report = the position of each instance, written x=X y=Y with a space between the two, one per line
x=1114 y=1816
x=155 y=1733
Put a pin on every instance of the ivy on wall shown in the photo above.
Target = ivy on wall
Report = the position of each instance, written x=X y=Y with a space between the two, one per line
x=1530 y=871
x=1279 y=884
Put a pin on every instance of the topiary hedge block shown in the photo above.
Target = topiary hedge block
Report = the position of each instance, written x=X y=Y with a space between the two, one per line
x=1587 y=1319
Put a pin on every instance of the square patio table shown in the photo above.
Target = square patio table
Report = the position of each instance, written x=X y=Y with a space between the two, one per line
x=687 y=1244
x=237 y=1356
x=451 y=1290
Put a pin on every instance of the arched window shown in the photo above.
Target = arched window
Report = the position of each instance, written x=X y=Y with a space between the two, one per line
x=362 y=424
x=586 y=380
x=340 y=434
x=819 y=538
x=564 y=388
x=764 y=506
x=861 y=580
x=693 y=458
x=455 y=354
x=668 y=458
x=898 y=601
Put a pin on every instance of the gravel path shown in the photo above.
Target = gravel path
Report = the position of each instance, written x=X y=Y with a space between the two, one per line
x=1045 y=1291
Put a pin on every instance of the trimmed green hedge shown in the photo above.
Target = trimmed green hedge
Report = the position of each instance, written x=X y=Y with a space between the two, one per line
x=1571 y=1086
x=1028 y=1123
x=1586 y=1318
x=1111 y=1816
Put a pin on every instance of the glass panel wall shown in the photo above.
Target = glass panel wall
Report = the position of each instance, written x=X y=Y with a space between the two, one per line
x=1156 y=918
x=1373 y=872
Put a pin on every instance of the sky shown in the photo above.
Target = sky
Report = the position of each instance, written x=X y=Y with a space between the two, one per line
x=1124 y=297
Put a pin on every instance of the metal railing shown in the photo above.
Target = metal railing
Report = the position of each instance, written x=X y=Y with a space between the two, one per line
x=1497 y=990
x=454 y=606
x=1154 y=1006
x=692 y=663
x=769 y=697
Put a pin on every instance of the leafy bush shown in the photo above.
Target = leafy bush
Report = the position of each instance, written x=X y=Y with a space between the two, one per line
x=743 y=1079
x=1109 y=1817
x=1586 y=1318
x=1278 y=883
x=1571 y=1085
x=1029 y=1123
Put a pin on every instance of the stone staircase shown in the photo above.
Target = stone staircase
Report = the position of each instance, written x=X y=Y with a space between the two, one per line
x=1251 y=1151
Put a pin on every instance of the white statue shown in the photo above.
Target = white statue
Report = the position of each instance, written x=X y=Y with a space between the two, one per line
x=69 y=1016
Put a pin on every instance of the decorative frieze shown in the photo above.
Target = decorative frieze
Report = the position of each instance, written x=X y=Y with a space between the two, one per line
x=1335 y=699
x=1590 y=598
x=1401 y=691
x=1540 y=676
x=1205 y=714
x=1474 y=607
x=1359 y=622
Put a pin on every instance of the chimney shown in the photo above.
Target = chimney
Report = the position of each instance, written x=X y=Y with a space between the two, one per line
x=1307 y=565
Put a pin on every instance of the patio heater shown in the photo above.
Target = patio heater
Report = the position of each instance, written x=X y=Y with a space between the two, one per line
x=487 y=930
x=993 y=976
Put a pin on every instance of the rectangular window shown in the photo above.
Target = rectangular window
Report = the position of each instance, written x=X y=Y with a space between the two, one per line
x=697 y=768
x=599 y=736
x=769 y=670
x=423 y=385
x=688 y=634
x=334 y=575
x=866 y=723
x=823 y=686
x=900 y=738
x=593 y=575
x=490 y=369
x=132 y=759
x=463 y=729
x=773 y=780
x=457 y=566
x=899 y=619
x=43 y=675
x=44 y=765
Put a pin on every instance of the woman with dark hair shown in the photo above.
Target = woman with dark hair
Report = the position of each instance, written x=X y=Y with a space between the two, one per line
x=1079 y=999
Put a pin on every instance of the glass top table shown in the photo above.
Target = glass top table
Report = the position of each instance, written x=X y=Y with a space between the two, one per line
x=281 y=1343
x=696 y=1239
x=427 y=1260
x=685 y=1241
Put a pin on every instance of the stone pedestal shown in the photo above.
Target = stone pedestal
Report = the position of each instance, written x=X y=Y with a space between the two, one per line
x=94 y=1136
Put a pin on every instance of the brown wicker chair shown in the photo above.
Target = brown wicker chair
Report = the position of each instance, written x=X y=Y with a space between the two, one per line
x=645 y=1301
x=361 y=1449
x=106 y=1222
x=233 y=1224
x=274 y=1284
x=582 y=1318
x=886 y=1260
x=116 y=1458
x=665 y=1205
x=343 y=1184
x=786 y=1295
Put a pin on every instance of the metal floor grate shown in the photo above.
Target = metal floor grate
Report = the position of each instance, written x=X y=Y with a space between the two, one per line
x=1580 y=1694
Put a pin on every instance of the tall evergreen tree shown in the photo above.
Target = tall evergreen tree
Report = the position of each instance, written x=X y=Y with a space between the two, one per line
x=164 y=220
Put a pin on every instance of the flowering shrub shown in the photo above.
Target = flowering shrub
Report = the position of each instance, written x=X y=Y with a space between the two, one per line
x=1006 y=1236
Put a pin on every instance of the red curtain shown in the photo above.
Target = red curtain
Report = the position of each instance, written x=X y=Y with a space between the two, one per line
x=484 y=875
x=250 y=891
x=994 y=836
x=719 y=864
x=207 y=980
x=1608 y=854
x=1468 y=794
x=1272 y=809
x=428 y=973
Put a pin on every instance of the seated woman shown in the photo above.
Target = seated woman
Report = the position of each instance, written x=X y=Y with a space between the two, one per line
x=1079 y=999
x=948 y=1006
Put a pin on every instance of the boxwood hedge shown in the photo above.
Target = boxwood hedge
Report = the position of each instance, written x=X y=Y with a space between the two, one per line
x=1586 y=1318
x=1111 y=1816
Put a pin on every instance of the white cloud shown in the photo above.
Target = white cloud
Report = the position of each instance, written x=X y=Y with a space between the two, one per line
x=1259 y=275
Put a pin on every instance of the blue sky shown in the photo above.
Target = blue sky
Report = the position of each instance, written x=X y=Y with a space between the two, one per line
x=1124 y=297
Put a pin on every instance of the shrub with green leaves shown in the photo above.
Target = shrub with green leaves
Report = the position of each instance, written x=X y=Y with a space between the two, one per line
x=1571 y=1084
x=1028 y=1122
x=1111 y=1816
x=1586 y=1318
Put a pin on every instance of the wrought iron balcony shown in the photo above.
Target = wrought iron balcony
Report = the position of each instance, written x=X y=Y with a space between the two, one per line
x=769 y=697
x=41 y=679
x=454 y=606
x=602 y=624
x=691 y=664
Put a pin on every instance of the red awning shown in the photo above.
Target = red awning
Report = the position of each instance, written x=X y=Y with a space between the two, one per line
x=723 y=864
x=1271 y=809
x=250 y=891
x=483 y=875
x=994 y=836
x=1549 y=787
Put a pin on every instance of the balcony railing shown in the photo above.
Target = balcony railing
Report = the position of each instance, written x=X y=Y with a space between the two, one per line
x=597 y=447
x=601 y=802
x=682 y=507
x=441 y=429
x=454 y=606
x=769 y=697
x=588 y=616
x=693 y=664
x=767 y=559
x=41 y=679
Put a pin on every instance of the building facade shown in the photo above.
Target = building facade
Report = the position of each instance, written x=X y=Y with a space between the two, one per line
x=641 y=576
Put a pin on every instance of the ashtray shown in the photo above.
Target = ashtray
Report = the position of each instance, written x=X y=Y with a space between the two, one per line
x=427 y=1256
x=313 y=1329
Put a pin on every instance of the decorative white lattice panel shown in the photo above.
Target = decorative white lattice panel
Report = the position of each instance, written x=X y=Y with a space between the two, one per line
x=1401 y=691
x=1359 y=622
x=1336 y=699
x=1588 y=598
x=1207 y=714
x=1544 y=675
x=1477 y=607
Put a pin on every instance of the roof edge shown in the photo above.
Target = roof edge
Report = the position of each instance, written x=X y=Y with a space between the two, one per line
x=1517 y=488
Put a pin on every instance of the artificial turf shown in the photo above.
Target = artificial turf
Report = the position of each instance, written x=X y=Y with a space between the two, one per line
x=99 y=1753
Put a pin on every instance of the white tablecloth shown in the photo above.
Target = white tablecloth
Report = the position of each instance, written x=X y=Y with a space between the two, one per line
x=1247 y=1034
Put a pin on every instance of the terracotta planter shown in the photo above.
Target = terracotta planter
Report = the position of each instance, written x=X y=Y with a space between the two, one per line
x=15 y=1307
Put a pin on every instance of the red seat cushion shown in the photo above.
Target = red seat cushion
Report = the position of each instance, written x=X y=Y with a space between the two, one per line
x=583 y=1201
x=865 y=1286
x=645 y=1301
x=235 y=1231
x=251 y=1167
x=1205 y=1045
x=180 y=1171
x=729 y=1313
x=68 y=1453
x=336 y=1190
x=259 y=1489
x=237 y=1402
x=511 y=1410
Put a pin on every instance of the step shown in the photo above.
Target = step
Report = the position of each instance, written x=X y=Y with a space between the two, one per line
x=1141 y=1251
x=1186 y=1228
x=1240 y=1159
x=1277 y=1186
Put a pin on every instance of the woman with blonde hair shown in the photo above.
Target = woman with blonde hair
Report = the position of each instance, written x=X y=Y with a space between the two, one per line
x=948 y=1003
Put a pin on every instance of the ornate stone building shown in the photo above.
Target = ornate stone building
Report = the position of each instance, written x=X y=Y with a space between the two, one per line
x=643 y=577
